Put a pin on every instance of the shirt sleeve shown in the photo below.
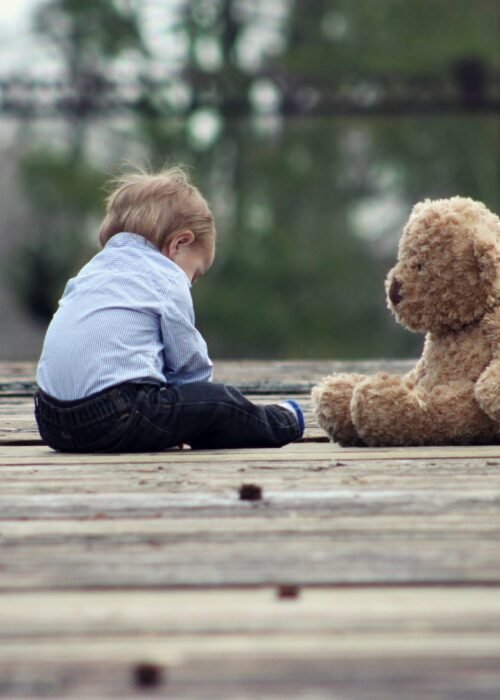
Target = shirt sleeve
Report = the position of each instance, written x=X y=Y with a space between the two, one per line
x=185 y=350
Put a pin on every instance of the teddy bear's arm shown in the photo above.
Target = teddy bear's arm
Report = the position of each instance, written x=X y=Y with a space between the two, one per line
x=487 y=391
x=487 y=388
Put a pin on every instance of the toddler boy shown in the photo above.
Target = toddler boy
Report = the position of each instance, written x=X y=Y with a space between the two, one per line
x=123 y=367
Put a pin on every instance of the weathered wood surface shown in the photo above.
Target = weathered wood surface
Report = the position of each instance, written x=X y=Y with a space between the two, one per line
x=263 y=382
x=359 y=574
x=362 y=643
x=242 y=552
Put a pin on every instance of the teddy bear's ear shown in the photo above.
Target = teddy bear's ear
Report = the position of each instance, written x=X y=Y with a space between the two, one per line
x=486 y=246
x=420 y=208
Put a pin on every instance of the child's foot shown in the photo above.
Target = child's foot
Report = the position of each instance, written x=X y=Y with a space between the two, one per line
x=295 y=408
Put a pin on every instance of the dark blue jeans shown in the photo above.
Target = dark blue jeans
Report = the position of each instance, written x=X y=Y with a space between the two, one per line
x=146 y=417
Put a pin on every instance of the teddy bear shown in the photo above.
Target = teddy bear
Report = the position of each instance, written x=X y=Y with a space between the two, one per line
x=446 y=284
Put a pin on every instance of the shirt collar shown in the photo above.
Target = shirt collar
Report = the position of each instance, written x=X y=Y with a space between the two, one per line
x=125 y=238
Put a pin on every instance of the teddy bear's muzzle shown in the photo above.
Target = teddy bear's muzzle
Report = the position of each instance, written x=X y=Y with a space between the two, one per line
x=395 y=291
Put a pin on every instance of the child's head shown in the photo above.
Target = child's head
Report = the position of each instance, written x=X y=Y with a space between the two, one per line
x=165 y=208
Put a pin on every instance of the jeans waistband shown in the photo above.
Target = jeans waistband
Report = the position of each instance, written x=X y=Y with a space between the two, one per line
x=112 y=401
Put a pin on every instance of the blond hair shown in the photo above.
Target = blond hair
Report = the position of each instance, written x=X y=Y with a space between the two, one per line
x=156 y=206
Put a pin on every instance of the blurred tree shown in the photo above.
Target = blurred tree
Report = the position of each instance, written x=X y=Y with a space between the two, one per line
x=299 y=275
x=292 y=279
x=62 y=186
x=90 y=37
x=309 y=209
x=61 y=190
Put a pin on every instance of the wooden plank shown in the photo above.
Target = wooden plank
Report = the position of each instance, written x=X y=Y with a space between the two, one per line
x=152 y=504
x=266 y=546
x=148 y=504
x=56 y=531
x=299 y=451
x=222 y=485
x=11 y=370
x=17 y=377
x=17 y=421
x=142 y=667
x=440 y=610
x=167 y=563
x=213 y=477
x=475 y=460
x=279 y=645
x=365 y=644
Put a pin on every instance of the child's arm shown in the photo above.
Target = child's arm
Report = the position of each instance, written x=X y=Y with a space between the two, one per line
x=185 y=350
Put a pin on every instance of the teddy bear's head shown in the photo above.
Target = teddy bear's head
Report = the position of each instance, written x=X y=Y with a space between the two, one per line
x=447 y=274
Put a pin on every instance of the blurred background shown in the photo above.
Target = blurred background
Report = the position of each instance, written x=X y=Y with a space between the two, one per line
x=312 y=126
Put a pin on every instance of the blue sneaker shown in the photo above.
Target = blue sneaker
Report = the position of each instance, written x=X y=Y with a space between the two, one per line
x=296 y=409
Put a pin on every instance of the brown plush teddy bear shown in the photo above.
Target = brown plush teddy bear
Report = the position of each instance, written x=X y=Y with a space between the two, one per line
x=446 y=283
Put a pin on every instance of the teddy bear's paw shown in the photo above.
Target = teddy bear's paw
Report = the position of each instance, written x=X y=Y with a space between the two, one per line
x=331 y=400
x=386 y=411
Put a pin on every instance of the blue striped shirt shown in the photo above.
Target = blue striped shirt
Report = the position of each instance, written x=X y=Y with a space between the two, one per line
x=127 y=316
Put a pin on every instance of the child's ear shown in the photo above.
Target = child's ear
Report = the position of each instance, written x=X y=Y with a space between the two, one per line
x=178 y=241
x=183 y=238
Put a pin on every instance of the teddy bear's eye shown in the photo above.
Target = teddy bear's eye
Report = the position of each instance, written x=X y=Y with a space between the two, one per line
x=420 y=266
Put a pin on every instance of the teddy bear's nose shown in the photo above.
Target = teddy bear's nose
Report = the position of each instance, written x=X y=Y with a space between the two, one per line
x=395 y=291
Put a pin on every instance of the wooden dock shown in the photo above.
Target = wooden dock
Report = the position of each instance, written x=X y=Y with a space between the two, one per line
x=358 y=574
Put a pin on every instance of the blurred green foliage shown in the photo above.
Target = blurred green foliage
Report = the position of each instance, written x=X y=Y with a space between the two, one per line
x=63 y=190
x=308 y=208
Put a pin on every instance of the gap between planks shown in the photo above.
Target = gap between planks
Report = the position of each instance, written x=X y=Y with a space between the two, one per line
x=40 y=454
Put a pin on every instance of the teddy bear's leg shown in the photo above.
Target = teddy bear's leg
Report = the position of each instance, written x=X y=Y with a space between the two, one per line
x=331 y=403
x=386 y=410
x=389 y=410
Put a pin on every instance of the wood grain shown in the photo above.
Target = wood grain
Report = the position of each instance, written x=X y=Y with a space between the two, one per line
x=360 y=574
x=362 y=643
